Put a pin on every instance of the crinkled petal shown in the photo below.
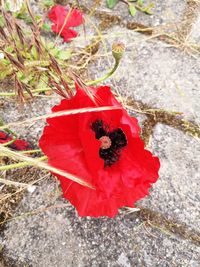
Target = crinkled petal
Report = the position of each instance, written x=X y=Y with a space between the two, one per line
x=65 y=17
x=57 y=14
x=68 y=34
x=70 y=144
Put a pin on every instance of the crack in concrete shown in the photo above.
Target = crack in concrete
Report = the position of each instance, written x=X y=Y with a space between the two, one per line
x=158 y=220
x=176 y=38
x=155 y=115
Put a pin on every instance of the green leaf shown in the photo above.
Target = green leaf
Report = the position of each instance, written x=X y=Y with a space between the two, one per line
x=43 y=81
x=46 y=27
x=9 y=49
x=140 y=2
x=34 y=52
x=132 y=10
x=54 y=51
x=148 y=10
x=64 y=55
x=1 y=21
x=48 y=3
x=111 y=3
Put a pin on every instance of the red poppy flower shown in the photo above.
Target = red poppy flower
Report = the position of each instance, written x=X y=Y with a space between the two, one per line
x=103 y=148
x=64 y=18
x=18 y=144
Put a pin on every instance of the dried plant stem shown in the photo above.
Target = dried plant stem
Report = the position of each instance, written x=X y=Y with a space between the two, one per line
x=19 y=165
x=37 y=63
x=8 y=182
x=60 y=113
x=4 y=151
x=31 y=151
x=36 y=211
x=39 y=90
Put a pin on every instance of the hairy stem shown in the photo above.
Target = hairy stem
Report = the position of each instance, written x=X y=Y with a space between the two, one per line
x=19 y=165
x=106 y=76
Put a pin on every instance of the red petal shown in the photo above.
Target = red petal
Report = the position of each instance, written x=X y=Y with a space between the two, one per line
x=20 y=145
x=138 y=166
x=3 y=141
x=68 y=34
x=70 y=145
x=3 y=135
x=75 y=18
x=69 y=17
x=57 y=14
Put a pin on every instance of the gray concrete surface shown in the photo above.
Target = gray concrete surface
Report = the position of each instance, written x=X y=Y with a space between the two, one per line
x=57 y=237
x=194 y=36
x=13 y=112
x=164 y=12
x=46 y=230
x=154 y=73
x=176 y=194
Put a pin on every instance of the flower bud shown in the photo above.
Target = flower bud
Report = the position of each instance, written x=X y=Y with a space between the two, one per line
x=118 y=51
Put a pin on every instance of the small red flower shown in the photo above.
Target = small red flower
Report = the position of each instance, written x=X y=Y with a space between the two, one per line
x=3 y=137
x=103 y=148
x=18 y=144
x=63 y=19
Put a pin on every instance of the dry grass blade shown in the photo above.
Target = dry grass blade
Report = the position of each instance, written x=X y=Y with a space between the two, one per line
x=58 y=114
x=3 y=34
x=24 y=187
x=36 y=211
x=8 y=182
x=15 y=62
x=4 y=151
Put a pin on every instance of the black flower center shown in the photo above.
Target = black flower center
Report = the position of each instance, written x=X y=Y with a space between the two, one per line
x=112 y=142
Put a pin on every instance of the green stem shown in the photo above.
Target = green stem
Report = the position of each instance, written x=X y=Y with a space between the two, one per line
x=101 y=79
x=33 y=91
x=36 y=63
x=106 y=76
x=9 y=142
x=19 y=165
x=31 y=151
x=11 y=132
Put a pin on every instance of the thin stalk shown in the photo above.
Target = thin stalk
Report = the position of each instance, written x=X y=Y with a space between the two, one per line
x=58 y=114
x=4 y=151
x=9 y=182
x=31 y=151
x=19 y=165
x=106 y=76
x=9 y=142
x=39 y=90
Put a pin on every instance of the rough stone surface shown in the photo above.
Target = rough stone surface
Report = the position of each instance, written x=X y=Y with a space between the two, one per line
x=155 y=74
x=13 y=112
x=176 y=194
x=56 y=237
x=164 y=12
x=195 y=33
x=46 y=230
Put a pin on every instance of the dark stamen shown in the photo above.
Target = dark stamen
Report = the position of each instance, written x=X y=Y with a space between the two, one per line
x=118 y=141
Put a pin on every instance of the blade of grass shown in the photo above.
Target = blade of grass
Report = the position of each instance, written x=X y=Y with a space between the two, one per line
x=8 y=182
x=34 y=162
x=60 y=113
